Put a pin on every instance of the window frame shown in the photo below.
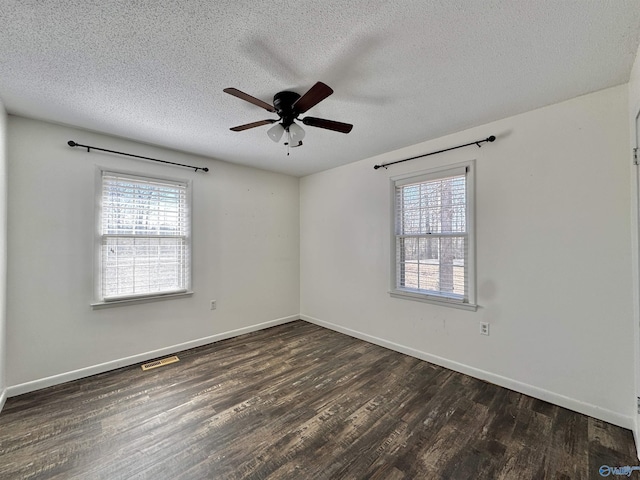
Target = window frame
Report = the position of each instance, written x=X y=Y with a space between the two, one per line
x=422 y=176
x=99 y=300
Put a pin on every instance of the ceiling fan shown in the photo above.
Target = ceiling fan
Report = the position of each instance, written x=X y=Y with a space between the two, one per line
x=289 y=106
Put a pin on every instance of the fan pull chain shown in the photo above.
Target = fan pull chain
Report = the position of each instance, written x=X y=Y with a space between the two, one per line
x=288 y=141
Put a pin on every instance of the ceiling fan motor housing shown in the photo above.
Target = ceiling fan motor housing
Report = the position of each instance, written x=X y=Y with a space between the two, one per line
x=283 y=103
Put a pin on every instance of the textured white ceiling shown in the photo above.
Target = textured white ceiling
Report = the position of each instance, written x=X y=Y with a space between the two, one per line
x=403 y=71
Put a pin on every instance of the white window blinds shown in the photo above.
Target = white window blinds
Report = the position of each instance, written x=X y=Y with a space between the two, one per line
x=145 y=235
x=431 y=232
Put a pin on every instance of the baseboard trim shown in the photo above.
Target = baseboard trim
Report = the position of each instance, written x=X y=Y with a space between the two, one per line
x=636 y=435
x=536 y=392
x=31 y=386
x=3 y=398
x=542 y=394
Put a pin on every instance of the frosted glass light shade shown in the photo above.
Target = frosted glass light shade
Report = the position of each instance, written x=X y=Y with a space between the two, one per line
x=275 y=132
x=296 y=133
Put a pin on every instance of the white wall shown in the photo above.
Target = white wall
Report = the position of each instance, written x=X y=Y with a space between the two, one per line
x=245 y=255
x=634 y=108
x=3 y=252
x=553 y=256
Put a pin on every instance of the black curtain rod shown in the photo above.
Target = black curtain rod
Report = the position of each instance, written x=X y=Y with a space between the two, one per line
x=71 y=143
x=488 y=139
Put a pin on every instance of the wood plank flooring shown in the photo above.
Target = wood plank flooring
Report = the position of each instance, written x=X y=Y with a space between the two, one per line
x=299 y=402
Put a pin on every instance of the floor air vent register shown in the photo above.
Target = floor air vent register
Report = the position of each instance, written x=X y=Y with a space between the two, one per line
x=160 y=363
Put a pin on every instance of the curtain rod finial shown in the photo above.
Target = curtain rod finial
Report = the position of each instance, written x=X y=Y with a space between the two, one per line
x=491 y=138
x=71 y=143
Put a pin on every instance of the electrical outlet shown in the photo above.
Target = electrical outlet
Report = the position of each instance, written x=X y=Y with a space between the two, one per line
x=213 y=305
x=484 y=328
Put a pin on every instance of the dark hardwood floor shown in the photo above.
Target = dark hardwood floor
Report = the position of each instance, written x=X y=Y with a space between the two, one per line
x=299 y=402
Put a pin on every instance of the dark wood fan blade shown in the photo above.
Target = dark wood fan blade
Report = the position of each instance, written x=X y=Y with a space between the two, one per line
x=247 y=126
x=328 y=124
x=315 y=95
x=248 y=98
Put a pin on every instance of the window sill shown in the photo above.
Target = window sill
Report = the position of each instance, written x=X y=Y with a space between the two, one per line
x=444 y=302
x=135 y=301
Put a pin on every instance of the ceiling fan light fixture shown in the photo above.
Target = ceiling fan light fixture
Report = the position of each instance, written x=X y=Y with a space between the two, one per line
x=275 y=133
x=296 y=133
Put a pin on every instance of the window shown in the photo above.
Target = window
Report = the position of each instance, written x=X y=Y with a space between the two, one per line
x=433 y=236
x=144 y=237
